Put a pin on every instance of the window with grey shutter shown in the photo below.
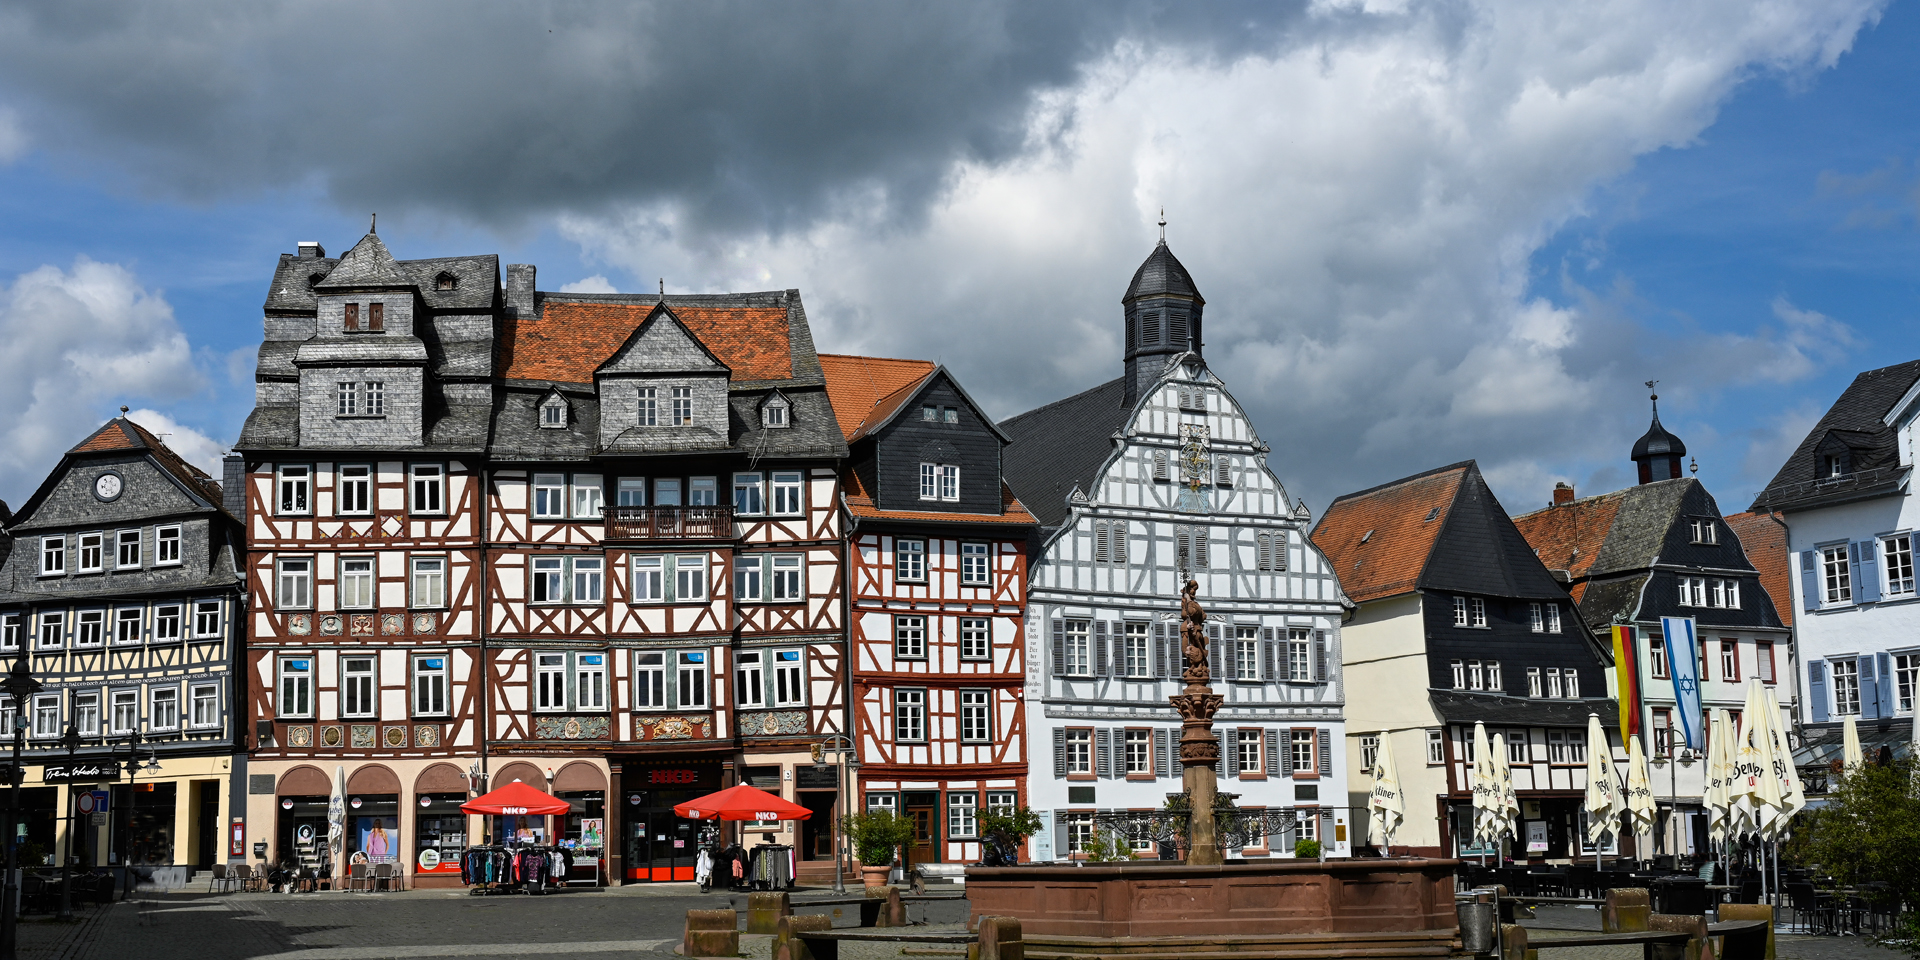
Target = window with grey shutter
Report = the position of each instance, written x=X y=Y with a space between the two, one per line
x=1222 y=768
x=1118 y=534
x=1817 y=689
x=1869 y=688
x=1809 y=581
x=1326 y=752
x=1100 y=648
x=1267 y=654
x=1160 y=465
x=1059 y=647
x=1274 y=767
x=1887 y=683
x=1213 y=650
x=1222 y=472
x=1060 y=851
x=1059 y=754
x=1320 y=655
x=1162 y=753
x=1866 y=577
x=1099 y=541
x=1102 y=754
x=1168 y=654
x=1200 y=537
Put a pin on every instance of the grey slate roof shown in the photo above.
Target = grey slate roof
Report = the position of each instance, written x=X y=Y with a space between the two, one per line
x=1061 y=446
x=1860 y=413
x=1647 y=512
x=517 y=434
x=1162 y=274
x=293 y=282
x=813 y=431
x=368 y=264
x=1479 y=550
x=1456 y=706
x=476 y=280
x=1606 y=602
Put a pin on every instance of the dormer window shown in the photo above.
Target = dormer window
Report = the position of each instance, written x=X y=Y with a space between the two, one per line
x=445 y=281
x=930 y=414
x=553 y=413
x=1833 y=465
x=313 y=280
x=682 y=406
x=1704 y=530
x=774 y=414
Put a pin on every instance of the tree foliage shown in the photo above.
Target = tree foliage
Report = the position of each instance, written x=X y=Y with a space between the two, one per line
x=1005 y=832
x=1869 y=829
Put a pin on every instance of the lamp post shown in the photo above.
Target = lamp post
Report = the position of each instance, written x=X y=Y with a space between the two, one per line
x=1684 y=758
x=134 y=767
x=21 y=688
x=71 y=740
x=841 y=745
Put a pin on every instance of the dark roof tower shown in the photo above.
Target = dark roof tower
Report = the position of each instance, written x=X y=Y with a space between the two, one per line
x=1658 y=453
x=1162 y=308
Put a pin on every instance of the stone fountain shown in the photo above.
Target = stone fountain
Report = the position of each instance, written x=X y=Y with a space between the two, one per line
x=1199 y=750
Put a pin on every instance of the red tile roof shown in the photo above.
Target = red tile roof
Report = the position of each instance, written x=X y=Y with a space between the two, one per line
x=1766 y=545
x=121 y=433
x=861 y=505
x=867 y=389
x=1378 y=540
x=566 y=342
x=1568 y=536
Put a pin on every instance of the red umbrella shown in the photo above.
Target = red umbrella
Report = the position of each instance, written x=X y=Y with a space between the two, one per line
x=741 y=803
x=517 y=799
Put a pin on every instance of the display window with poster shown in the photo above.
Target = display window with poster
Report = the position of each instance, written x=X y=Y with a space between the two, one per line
x=373 y=828
x=439 y=833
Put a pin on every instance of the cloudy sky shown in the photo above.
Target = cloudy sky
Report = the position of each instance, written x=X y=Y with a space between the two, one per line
x=1426 y=231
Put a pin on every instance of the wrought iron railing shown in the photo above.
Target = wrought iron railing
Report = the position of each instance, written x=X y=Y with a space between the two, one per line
x=1235 y=827
x=670 y=523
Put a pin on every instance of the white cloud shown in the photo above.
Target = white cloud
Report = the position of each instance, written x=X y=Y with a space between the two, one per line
x=79 y=344
x=1359 y=208
x=594 y=284
x=193 y=446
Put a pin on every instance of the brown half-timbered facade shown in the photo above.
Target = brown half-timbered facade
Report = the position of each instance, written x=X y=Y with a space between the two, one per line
x=937 y=571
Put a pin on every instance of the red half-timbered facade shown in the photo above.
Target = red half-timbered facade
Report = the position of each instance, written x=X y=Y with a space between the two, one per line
x=937 y=569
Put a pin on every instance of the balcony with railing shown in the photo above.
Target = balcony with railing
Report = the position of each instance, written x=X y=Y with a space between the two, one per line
x=670 y=523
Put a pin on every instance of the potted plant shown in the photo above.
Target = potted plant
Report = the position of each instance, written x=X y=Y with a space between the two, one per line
x=876 y=836
x=1003 y=832
x=1306 y=849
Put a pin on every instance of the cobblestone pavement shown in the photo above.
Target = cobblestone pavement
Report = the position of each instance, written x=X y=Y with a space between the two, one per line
x=1550 y=921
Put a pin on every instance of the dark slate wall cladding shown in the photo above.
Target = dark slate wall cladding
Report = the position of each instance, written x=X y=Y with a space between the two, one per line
x=1509 y=639
x=909 y=441
x=1679 y=548
x=148 y=493
x=1662 y=599
x=199 y=548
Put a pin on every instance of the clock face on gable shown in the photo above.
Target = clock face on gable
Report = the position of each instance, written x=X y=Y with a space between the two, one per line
x=108 y=486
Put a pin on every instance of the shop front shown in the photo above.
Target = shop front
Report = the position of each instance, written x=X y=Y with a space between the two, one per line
x=1552 y=828
x=656 y=844
x=163 y=822
x=439 y=828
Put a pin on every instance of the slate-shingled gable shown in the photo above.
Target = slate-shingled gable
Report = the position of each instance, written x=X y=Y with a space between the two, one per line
x=1062 y=446
x=1860 y=411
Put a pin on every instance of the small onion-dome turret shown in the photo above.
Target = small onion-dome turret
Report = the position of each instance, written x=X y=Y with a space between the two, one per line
x=1659 y=453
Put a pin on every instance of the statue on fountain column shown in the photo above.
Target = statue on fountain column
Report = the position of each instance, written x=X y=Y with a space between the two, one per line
x=1193 y=637
x=1199 y=749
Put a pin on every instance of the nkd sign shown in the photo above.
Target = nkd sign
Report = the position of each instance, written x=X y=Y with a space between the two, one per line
x=81 y=771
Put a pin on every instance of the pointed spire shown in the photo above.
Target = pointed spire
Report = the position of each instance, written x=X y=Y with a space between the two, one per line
x=1163 y=226
x=663 y=286
x=374 y=226
x=1655 y=397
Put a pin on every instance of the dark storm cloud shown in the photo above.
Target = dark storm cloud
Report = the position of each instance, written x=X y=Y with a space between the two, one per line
x=746 y=116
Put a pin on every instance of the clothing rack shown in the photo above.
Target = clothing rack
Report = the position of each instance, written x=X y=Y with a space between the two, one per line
x=772 y=867
x=514 y=868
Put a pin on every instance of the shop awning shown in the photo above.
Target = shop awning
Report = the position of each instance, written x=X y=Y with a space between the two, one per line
x=517 y=799
x=741 y=803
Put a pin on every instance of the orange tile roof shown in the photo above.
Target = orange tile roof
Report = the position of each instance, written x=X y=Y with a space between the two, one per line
x=121 y=433
x=1392 y=520
x=860 y=504
x=113 y=436
x=857 y=386
x=1766 y=545
x=566 y=342
x=1568 y=536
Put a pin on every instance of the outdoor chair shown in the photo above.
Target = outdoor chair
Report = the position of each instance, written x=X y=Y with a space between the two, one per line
x=240 y=875
x=383 y=876
x=357 y=875
x=220 y=878
x=1813 y=911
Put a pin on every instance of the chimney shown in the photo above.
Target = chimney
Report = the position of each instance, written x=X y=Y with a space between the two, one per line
x=310 y=250
x=233 y=484
x=520 y=290
x=1562 y=493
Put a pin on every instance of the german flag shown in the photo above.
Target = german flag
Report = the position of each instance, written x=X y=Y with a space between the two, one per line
x=1626 y=678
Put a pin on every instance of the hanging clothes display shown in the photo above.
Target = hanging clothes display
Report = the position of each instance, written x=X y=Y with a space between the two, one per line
x=772 y=867
x=521 y=868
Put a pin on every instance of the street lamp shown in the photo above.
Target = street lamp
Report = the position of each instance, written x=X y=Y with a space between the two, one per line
x=1685 y=758
x=841 y=745
x=21 y=688
x=134 y=766
x=72 y=742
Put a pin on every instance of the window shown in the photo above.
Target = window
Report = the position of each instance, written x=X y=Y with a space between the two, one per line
x=429 y=488
x=1247 y=748
x=1573 y=683
x=1190 y=547
x=10 y=631
x=1657 y=657
x=1459 y=611
x=1476 y=677
x=930 y=414
x=1459 y=668
x=692 y=681
x=1662 y=732
x=166 y=623
x=949 y=482
x=1079 y=744
x=976 y=722
x=682 y=406
x=430 y=686
x=356 y=490
x=785 y=579
x=357 y=687
x=939 y=481
x=89 y=628
x=1897 y=552
x=1272 y=551
x=976 y=569
x=1846 y=687
x=1222 y=472
x=296 y=687
x=1436 y=747
x=53 y=556
x=46 y=715
x=296 y=583
x=789 y=678
x=787 y=501
x=1079 y=832
x=553 y=414
x=929 y=481
x=9 y=716
x=589 y=496
x=949 y=415
x=1160 y=472
x=909 y=638
x=1763 y=661
x=166 y=546
x=962 y=822
x=350 y=317
x=1567 y=747
x=589 y=577
x=53 y=631
x=1555 y=689
x=1246 y=653
x=1078 y=649
x=356 y=583
x=1479 y=613
x=689 y=577
x=549 y=495
x=1537 y=617
x=374 y=392
x=206 y=619
x=749 y=679
x=91 y=553
x=1533 y=682
x=126 y=552
x=702 y=491
x=568 y=579
x=910 y=560
x=1494 y=681
x=666 y=493
x=374 y=317
x=1553 y=617
x=549 y=580
x=1299 y=654
x=127 y=622
x=296 y=485
x=976 y=639
x=649 y=579
x=1906 y=675
x=1137 y=652
x=649 y=679
x=910 y=716
x=747 y=494
x=647 y=413
x=1516 y=746
x=550 y=681
x=1704 y=530
x=205 y=705
x=747 y=581
x=774 y=414
x=1369 y=752
x=589 y=681
x=1730 y=659
x=1835 y=575
x=347 y=394
x=1302 y=752
x=630 y=492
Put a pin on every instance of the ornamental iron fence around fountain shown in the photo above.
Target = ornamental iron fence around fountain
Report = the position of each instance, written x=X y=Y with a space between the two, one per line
x=1165 y=829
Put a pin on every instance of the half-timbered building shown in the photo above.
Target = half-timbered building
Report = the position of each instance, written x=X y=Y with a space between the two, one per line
x=1140 y=484
x=938 y=573
x=124 y=598
x=592 y=543
x=1458 y=623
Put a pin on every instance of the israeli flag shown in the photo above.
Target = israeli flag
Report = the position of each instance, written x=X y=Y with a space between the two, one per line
x=1683 y=664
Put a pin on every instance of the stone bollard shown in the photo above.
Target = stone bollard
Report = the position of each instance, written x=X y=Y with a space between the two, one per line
x=999 y=940
x=787 y=945
x=893 y=913
x=711 y=933
x=764 y=911
x=1626 y=910
x=1513 y=943
x=1697 y=947
x=1754 y=946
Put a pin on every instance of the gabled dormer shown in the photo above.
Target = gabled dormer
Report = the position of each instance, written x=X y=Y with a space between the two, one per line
x=776 y=411
x=931 y=448
x=663 y=391
x=363 y=372
x=554 y=411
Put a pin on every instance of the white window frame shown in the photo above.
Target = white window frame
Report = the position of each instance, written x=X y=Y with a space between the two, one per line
x=976 y=715
x=1896 y=566
x=1572 y=677
x=359 y=686
x=1369 y=752
x=430 y=684
x=1436 y=747
x=1906 y=677
x=126 y=620
x=547 y=580
x=1136 y=753
x=550 y=682
x=293 y=696
x=427 y=489
x=1846 y=686
x=553 y=413
x=589 y=690
x=963 y=815
x=89 y=629
x=650 y=679
x=786 y=578
x=788 y=491
x=354 y=496
x=589 y=496
x=909 y=637
x=1836 y=575
x=355 y=583
x=630 y=492
x=166 y=546
x=976 y=639
x=1459 y=611
x=53 y=556
x=52 y=630
x=1249 y=748
x=647 y=408
x=1136 y=650
x=91 y=557
x=1553 y=618
x=1299 y=655
x=910 y=715
x=208 y=617
x=203 y=696
x=929 y=482
x=749 y=494
x=293 y=495
x=1303 y=750
x=749 y=578
x=1479 y=606
x=1537 y=618
x=169 y=623
x=1555 y=690
x=1077 y=657
x=587 y=580
x=293 y=583
x=789 y=670
x=749 y=679
x=949 y=482
x=1246 y=653
x=681 y=414
x=909 y=560
x=976 y=563
x=549 y=496
x=1534 y=689
x=122 y=539
x=690 y=683
x=1495 y=682
x=1079 y=751
x=647 y=578
x=46 y=716
x=11 y=630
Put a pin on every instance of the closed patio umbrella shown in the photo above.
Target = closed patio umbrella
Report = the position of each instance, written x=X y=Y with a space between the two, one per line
x=1720 y=759
x=337 y=814
x=1639 y=797
x=1851 y=758
x=1509 y=814
x=1793 y=793
x=1603 y=794
x=1388 y=806
x=1486 y=793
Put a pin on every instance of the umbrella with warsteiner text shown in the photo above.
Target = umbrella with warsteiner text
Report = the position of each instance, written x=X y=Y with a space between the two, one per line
x=741 y=803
